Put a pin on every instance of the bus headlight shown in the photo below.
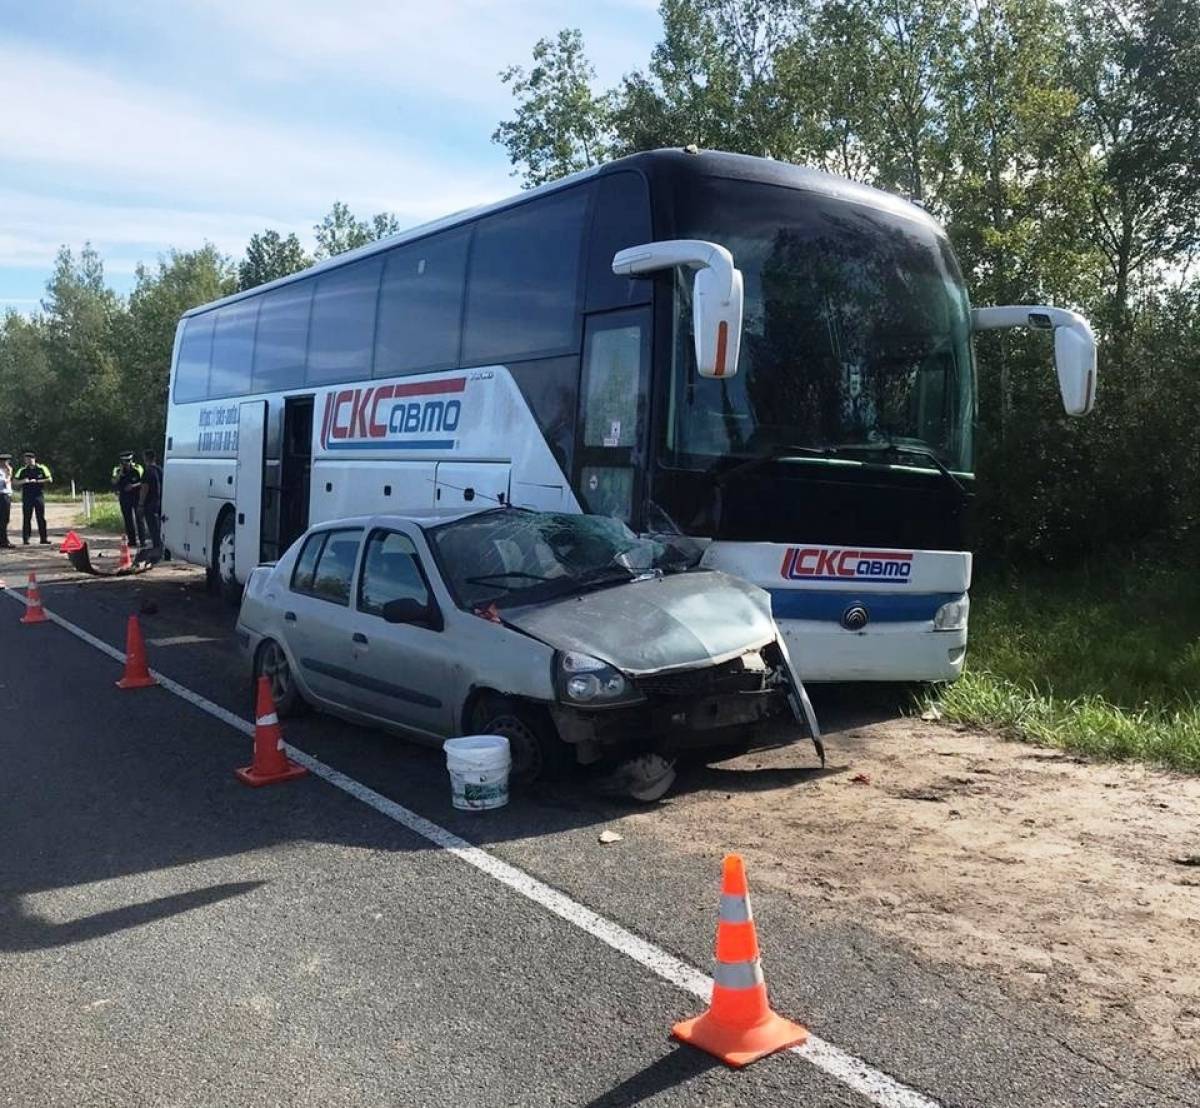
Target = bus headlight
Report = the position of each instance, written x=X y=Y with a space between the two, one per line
x=583 y=679
x=952 y=616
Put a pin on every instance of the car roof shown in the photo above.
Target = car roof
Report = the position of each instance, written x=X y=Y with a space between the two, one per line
x=424 y=520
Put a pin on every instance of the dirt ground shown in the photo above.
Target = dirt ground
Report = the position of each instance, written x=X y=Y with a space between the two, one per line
x=1062 y=880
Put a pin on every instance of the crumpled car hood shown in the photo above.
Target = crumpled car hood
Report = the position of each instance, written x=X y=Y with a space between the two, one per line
x=673 y=622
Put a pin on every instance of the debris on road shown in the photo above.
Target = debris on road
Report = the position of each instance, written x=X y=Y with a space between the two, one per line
x=607 y=837
x=860 y=779
x=1188 y=860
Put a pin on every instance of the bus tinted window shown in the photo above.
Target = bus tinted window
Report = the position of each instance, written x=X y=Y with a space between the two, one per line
x=233 y=349
x=195 y=353
x=282 y=343
x=420 y=305
x=522 y=300
x=343 y=323
x=622 y=219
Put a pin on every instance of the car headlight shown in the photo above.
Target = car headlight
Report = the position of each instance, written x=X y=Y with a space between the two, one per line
x=952 y=616
x=583 y=679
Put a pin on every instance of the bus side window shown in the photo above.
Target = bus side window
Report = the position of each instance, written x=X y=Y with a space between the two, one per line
x=281 y=345
x=342 y=335
x=522 y=294
x=621 y=219
x=195 y=354
x=233 y=348
x=420 y=305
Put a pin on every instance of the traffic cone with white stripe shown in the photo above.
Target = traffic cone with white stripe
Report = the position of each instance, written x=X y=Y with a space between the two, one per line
x=126 y=561
x=739 y=1026
x=271 y=764
x=34 y=612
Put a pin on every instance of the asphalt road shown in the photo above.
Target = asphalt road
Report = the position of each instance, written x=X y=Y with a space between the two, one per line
x=168 y=936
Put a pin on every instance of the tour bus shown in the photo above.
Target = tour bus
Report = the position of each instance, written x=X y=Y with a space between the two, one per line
x=773 y=361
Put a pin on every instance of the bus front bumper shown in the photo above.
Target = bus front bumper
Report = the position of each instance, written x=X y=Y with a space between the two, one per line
x=822 y=651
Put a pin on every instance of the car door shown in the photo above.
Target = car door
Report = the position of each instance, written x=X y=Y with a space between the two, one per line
x=317 y=617
x=405 y=670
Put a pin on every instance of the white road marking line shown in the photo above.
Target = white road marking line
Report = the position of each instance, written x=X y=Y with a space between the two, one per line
x=850 y=1070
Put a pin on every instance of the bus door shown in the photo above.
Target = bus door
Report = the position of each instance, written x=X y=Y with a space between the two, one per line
x=251 y=466
x=610 y=457
x=295 y=476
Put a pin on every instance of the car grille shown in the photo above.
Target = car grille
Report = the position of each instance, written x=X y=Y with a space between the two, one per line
x=730 y=677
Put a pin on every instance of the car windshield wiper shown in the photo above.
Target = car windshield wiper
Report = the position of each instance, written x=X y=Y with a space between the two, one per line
x=498 y=578
x=899 y=448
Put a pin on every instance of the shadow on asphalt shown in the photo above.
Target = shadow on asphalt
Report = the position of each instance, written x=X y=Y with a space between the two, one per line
x=683 y=1064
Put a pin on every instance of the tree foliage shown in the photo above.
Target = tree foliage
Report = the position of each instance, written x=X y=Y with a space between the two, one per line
x=270 y=256
x=342 y=230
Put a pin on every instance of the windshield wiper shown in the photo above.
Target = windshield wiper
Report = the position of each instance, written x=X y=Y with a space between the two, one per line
x=775 y=454
x=887 y=446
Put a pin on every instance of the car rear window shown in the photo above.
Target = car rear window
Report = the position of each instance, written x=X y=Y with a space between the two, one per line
x=326 y=573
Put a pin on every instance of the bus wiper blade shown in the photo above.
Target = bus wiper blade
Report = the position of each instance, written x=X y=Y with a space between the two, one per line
x=775 y=454
x=900 y=448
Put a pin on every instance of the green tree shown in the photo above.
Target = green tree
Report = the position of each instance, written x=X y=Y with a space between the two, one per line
x=270 y=256
x=341 y=230
x=559 y=125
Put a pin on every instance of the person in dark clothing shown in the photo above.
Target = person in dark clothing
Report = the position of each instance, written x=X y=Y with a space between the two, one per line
x=127 y=484
x=6 y=487
x=152 y=476
x=33 y=479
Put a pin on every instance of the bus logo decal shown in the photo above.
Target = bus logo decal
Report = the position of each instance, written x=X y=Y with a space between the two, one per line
x=810 y=563
x=382 y=417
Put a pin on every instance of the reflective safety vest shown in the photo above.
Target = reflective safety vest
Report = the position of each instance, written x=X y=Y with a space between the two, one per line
x=126 y=481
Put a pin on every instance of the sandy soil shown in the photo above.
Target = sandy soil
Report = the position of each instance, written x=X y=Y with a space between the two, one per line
x=1060 y=879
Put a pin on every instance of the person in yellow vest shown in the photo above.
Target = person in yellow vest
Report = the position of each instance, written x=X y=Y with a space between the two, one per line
x=33 y=479
x=127 y=484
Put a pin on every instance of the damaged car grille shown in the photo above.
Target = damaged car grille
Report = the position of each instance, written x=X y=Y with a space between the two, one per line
x=747 y=673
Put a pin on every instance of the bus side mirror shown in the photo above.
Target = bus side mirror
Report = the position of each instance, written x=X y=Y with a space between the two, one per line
x=1074 y=347
x=717 y=295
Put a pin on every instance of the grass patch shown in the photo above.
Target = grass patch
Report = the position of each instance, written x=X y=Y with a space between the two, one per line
x=1105 y=663
x=106 y=516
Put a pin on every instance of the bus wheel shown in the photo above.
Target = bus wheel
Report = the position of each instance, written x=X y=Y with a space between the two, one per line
x=223 y=561
x=538 y=754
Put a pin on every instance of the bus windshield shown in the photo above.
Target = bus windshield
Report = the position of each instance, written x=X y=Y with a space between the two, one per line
x=856 y=336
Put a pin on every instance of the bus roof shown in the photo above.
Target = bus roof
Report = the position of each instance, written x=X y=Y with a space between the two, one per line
x=660 y=167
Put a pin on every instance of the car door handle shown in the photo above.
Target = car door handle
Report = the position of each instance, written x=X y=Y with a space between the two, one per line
x=290 y=617
x=360 y=637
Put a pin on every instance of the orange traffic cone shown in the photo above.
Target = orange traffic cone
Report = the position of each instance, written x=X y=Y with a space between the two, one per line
x=137 y=673
x=270 y=762
x=739 y=1026
x=34 y=612
x=126 y=561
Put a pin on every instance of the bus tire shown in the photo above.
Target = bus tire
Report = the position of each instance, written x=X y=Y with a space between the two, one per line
x=222 y=571
x=538 y=754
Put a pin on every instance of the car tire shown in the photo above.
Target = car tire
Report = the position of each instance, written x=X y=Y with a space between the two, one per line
x=538 y=754
x=271 y=662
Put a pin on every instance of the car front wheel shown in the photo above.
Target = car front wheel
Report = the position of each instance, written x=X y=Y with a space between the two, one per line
x=538 y=754
x=271 y=662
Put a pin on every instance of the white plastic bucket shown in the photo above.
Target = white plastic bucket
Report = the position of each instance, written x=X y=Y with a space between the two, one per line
x=478 y=766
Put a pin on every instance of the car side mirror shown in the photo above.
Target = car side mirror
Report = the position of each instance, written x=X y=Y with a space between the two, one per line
x=718 y=299
x=405 y=609
x=1074 y=347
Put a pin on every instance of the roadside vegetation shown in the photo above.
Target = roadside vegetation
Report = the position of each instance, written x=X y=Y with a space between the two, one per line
x=1103 y=663
x=106 y=516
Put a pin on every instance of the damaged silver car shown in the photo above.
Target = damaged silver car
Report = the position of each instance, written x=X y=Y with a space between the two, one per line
x=568 y=634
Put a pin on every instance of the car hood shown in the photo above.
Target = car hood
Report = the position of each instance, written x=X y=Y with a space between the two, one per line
x=674 y=622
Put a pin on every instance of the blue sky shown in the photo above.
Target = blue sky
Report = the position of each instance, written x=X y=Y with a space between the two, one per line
x=144 y=125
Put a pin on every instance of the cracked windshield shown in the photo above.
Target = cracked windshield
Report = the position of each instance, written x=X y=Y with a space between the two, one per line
x=856 y=339
x=508 y=556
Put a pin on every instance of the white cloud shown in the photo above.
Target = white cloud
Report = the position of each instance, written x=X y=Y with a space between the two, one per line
x=453 y=49
x=112 y=134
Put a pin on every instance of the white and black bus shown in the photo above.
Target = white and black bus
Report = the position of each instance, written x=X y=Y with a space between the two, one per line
x=772 y=360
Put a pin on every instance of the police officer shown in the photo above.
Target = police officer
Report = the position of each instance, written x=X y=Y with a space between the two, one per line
x=127 y=483
x=152 y=497
x=33 y=479
x=6 y=485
